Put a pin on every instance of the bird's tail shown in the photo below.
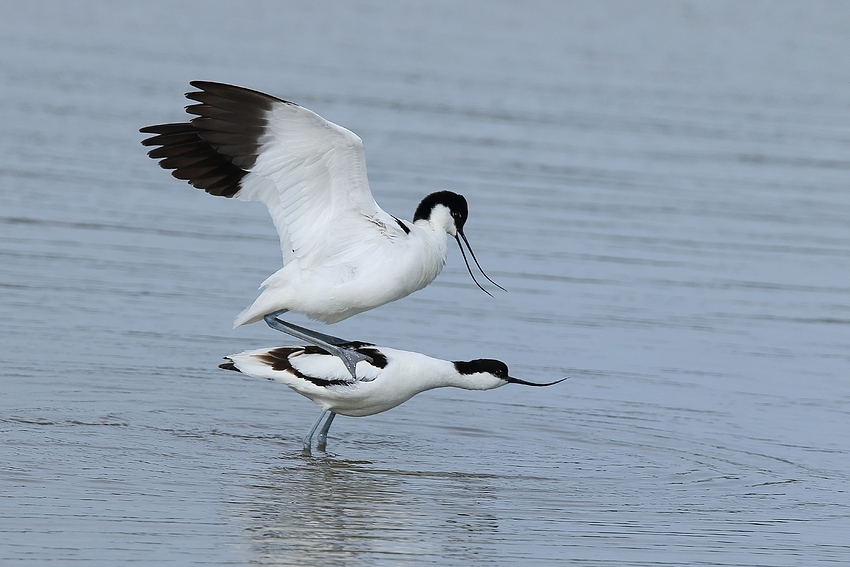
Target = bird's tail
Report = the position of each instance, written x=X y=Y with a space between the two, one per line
x=265 y=303
x=246 y=317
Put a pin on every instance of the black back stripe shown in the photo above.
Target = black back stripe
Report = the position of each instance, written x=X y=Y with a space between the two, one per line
x=402 y=225
x=378 y=359
x=280 y=360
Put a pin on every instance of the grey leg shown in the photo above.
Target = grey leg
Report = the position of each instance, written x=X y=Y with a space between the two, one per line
x=328 y=343
x=322 y=439
x=308 y=439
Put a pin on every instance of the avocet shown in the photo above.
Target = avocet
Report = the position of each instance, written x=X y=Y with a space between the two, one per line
x=386 y=378
x=342 y=253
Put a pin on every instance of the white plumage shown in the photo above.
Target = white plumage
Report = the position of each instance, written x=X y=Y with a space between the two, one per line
x=342 y=253
x=389 y=378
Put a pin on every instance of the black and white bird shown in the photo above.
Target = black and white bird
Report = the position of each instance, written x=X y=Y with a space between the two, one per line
x=342 y=253
x=386 y=378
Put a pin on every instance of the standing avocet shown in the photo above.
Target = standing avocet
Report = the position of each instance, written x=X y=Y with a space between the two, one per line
x=386 y=377
x=342 y=253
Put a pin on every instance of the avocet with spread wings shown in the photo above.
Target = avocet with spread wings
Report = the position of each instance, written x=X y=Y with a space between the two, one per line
x=342 y=253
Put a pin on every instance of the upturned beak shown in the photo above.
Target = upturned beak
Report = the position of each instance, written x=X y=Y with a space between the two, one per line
x=512 y=380
x=462 y=253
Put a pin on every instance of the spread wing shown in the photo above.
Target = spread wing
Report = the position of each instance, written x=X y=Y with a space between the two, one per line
x=310 y=173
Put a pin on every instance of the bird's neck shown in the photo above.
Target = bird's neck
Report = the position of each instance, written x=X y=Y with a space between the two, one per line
x=427 y=373
x=446 y=375
x=432 y=247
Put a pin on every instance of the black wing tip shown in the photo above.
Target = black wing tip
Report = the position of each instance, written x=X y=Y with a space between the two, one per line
x=169 y=128
x=217 y=148
x=213 y=85
x=179 y=147
x=225 y=89
x=228 y=365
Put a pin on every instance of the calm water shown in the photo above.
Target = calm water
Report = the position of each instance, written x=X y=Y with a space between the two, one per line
x=662 y=187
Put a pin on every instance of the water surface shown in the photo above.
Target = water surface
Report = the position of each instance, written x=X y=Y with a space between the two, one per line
x=662 y=189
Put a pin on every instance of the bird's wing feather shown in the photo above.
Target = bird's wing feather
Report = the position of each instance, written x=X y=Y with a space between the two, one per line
x=310 y=173
x=317 y=367
x=307 y=363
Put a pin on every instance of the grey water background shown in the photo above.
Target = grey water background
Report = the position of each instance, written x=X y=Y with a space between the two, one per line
x=661 y=186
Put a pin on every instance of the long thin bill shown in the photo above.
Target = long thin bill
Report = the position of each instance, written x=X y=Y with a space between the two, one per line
x=468 y=269
x=476 y=261
x=513 y=380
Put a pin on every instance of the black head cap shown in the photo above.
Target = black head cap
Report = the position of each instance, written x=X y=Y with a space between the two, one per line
x=495 y=367
x=455 y=203
x=459 y=212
